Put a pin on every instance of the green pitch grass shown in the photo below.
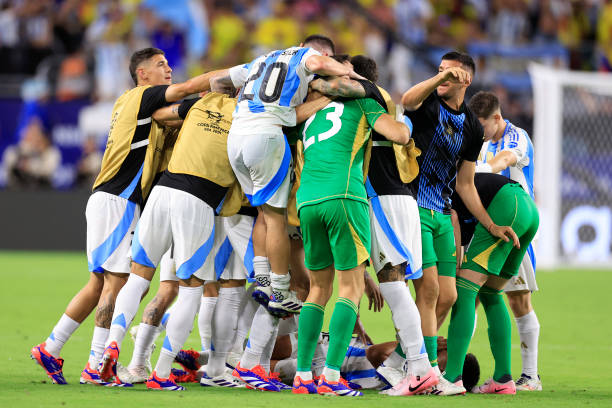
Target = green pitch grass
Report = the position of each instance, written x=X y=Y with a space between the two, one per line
x=575 y=348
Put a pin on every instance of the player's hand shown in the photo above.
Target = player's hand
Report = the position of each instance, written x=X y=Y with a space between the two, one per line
x=359 y=330
x=505 y=233
x=373 y=293
x=456 y=75
x=354 y=75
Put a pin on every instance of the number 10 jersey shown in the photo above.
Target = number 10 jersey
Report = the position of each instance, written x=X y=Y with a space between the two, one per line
x=272 y=86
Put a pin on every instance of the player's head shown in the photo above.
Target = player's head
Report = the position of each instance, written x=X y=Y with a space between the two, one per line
x=150 y=67
x=366 y=67
x=486 y=107
x=320 y=43
x=448 y=89
x=343 y=59
x=471 y=371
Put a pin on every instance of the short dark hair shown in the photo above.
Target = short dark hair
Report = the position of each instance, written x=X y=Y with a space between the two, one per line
x=139 y=57
x=341 y=58
x=471 y=372
x=465 y=59
x=321 y=40
x=484 y=104
x=365 y=66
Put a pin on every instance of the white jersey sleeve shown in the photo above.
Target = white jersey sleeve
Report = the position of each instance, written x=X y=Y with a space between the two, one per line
x=311 y=52
x=238 y=74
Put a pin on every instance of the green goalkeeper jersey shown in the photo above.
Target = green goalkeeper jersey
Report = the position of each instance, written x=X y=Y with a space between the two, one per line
x=334 y=140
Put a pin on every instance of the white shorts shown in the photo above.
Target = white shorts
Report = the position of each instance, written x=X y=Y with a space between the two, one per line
x=233 y=248
x=262 y=164
x=525 y=279
x=396 y=233
x=167 y=267
x=110 y=225
x=174 y=217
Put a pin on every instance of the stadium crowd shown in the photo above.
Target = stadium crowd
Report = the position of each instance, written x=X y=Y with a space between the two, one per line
x=62 y=50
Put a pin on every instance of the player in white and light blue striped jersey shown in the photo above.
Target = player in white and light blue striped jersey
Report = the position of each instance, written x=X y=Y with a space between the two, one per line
x=508 y=150
x=272 y=86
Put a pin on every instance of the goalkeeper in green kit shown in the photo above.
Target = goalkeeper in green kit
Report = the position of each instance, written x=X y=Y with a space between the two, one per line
x=334 y=217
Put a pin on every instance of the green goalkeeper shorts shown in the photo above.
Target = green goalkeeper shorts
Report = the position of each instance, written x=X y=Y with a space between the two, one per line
x=491 y=255
x=335 y=232
x=438 y=242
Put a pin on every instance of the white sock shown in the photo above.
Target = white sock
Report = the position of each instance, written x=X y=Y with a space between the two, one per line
x=395 y=361
x=143 y=344
x=263 y=328
x=224 y=324
x=318 y=361
x=529 y=332
x=407 y=321
x=248 y=307
x=304 y=375
x=287 y=326
x=331 y=374
x=280 y=282
x=261 y=270
x=166 y=317
x=178 y=328
x=266 y=355
x=205 y=316
x=60 y=335
x=126 y=307
x=98 y=340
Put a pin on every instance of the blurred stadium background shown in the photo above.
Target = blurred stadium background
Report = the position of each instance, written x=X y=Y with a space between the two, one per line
x=64 y=62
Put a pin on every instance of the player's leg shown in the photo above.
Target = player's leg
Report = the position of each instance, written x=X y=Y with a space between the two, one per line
x=268 y=159
x=151 y=325
x=178 y=328
x=395 y=225
x=348 y=228
x=444 y=245
x=427 y=287
x=206 y=313
x=319 y=260
x=193 y=233
x=300 y=277
x=519 y=291
x=247 y=309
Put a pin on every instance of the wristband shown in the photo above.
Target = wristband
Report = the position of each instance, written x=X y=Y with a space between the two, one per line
x=484 y=168
x=408 y=123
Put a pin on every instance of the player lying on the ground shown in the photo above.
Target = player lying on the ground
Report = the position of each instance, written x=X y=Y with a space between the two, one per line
x=488 y=265
x=508 y=151
x=114 y=207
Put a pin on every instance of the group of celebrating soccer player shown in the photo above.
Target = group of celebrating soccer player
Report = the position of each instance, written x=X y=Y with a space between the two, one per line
x=288 y=172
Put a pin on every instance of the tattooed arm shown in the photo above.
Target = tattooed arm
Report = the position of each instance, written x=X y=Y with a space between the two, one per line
x=339 y=86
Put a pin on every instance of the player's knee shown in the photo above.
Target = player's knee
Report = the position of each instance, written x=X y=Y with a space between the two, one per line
x=391 y=273
x=167 y=292
x=520 y=302
x=428 y=291
x=446 y=300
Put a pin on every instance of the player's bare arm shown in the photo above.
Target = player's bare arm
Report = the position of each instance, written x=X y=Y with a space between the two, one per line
x=194 y=85
x=222 y=83
x=501 y=161
x=339 y=86
x=414 y=97
x=327 y=66
x=167 y=114
x=392 y=130
x=467 y=190
x=310 y=107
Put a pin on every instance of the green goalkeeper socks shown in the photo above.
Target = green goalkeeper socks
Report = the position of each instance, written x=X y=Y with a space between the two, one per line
x=499 y=331
x=309 y=330
x=340 y=332
x=461 y=327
